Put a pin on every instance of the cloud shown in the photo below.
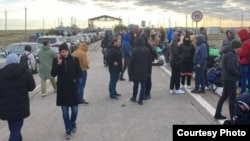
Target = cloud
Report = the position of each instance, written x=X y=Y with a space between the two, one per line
x=227 y=9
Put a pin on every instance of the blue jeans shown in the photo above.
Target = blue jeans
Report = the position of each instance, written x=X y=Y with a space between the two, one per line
x=142 y=91
x=244 y=75
x=114 y=76
x=81 y=84
x=69 y=121
x=199 y=78
x=15 y=127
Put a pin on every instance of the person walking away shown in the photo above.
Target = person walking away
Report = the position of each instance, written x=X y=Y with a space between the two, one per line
x=67 y=70
x=230 y=75
x=174 y=59
x=187 y=51
x=81 y=54
x=200 y=60
x=105 y=44
x=126 y=53
x=30 y=62
x=153 y=57
x=114 y=60
x=243 y=54
x=46 y=55
x=15 y=84
x=139 y=69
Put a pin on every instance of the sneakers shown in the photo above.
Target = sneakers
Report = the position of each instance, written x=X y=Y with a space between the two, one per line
x=220 y=117
x=171 y=92
x=68 y=135
x=181 y=86
x=133 y=99
x=147 y=97
x=43 y=95
x=122 y=79
x=198 y=91
x=189 y=87
x=179 y=91
x=118 y=94
x=84 y=102
x=113 y=98
x=140 y=102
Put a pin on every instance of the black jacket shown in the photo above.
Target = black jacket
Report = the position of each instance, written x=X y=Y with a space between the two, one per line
x=15 y=84
x=67 y=75
x=230 y=71
x=140 y=64
x=114 y=55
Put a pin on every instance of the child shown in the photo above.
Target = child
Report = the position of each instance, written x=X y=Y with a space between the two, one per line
x=242 y=111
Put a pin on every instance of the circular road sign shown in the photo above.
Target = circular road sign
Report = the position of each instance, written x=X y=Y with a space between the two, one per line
x=197 y=16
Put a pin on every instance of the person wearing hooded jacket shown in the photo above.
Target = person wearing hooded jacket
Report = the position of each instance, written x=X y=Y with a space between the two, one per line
x=126 y=53
x=242 y=111
x=230 y=75
x=81 y=54
x=243 y=53
x=15 y=84
x=200 y=61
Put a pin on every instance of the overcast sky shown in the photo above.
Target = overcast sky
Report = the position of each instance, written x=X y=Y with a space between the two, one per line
x=156 y=12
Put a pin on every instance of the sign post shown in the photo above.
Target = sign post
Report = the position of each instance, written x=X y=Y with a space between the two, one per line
x=197 y=16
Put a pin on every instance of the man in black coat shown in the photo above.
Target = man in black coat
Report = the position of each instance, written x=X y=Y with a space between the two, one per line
x=15 y=83
x=139 y=68
x=114 y=61
x=67 y=69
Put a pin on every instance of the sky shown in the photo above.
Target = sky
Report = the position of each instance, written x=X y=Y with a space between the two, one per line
x=165 y=13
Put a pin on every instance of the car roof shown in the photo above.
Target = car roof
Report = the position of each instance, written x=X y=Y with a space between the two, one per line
x=25 y=43
x=51 y=36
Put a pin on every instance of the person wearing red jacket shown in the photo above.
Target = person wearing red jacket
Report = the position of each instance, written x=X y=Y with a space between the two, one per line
x=243 y=61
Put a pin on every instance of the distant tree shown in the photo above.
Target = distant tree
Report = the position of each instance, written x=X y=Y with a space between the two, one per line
x=120 y=27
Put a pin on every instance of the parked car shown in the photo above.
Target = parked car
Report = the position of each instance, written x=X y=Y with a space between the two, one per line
x=55 y=41
x=18 y=48
x=3 y=55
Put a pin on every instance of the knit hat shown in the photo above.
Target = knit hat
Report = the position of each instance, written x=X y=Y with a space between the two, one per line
x=12 y=58
x=63 y=46
x=27 y=48
x=235 y=43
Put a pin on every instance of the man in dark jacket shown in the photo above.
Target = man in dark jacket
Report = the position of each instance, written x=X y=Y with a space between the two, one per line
x=15 y=83
x=114 y=60
x=139 y=69
x=67 y=69
x=230 y=75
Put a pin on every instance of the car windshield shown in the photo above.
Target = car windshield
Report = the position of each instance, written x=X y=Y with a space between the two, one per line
x=51 y=40
x=17 y=49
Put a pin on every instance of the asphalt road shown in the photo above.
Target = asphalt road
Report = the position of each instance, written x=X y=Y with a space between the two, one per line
x=107 y=120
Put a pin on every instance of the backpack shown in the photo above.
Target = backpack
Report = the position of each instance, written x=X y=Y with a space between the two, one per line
x=24 y=60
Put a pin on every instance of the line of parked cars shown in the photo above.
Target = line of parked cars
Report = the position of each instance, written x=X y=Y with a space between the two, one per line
x=55 y=41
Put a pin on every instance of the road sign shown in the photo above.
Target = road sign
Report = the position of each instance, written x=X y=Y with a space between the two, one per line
x=143 y=23
x=197 y=16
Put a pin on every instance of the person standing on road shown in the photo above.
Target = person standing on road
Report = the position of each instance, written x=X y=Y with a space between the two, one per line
x=67 y=69
x=187 y=51
x=200 y=62
x=126 y=53
x=31 y=59
x=105 y=44
x=81 y=54
x=139 y=68
x=15 y=84
x=114 y=60
x=46 y=55
x=230 y=75
x=174 y=59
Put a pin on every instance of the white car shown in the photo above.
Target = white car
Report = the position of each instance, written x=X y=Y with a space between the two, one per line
x=55 y=41
x=3 y=55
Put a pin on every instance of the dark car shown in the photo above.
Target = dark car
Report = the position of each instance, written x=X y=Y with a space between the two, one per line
x=3 y=55
x=18 y=48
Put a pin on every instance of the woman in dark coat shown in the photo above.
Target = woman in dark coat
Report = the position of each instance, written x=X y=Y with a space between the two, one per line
x=67 y=69
x=139 y=68
x=15 y=83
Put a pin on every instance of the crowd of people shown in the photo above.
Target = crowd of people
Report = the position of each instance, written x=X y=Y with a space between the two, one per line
x=135 y=52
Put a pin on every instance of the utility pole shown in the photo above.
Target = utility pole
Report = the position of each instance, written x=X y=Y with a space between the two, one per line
x=43 y=26
x=25 y=22
x=5 y=21
x=186 y=21
x=242 y=20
